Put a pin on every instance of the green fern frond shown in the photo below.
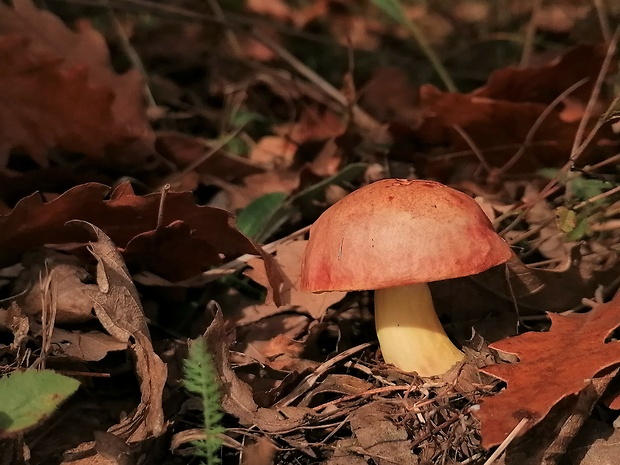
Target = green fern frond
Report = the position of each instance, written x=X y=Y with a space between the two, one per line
x=201 y=379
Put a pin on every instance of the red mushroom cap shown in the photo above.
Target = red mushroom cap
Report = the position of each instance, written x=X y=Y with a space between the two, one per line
x=396 y=232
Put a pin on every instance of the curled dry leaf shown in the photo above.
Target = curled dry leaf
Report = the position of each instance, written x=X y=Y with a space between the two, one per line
x=555 y=365
x=191 y=238
x=73 y=305
x=118 y=308
x=91 y=346
x=92 y=110
x=288 y=256
x=237 y=398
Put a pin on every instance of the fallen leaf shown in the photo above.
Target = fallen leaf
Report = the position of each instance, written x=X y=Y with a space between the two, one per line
x=118 y=308
x=499 y=117
x=381 y=438
x=555 y=365
x=237 y=399
x=314 y=124
x=261 y=452
x=131 y=222
x=288 y=256
x=67 y=278
x=184 y=150
x=542 y=84
x=280 y=342
x=90 y=346
x=92 y=109
x=273 y=151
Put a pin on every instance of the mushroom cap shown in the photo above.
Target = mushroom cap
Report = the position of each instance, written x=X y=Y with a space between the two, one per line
x=396 y=232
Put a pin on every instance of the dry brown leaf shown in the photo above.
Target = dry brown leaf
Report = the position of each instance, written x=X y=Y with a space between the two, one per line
x=273 y=151
x=314 y=124
x=238 y=400
x=256 y=185
x=499 y=117
x=91 y=110
x=118 y=308
x=288 y=256
x=261 y=452
x=66 y=274
x=91 y=346
x=381 y=438
x=542 y=84
x=554 y=365
x=184 y=150
x=190 y=240
x=542 y=290
x=281 y=341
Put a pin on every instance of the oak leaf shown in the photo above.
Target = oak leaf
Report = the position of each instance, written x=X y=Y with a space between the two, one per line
x=552 y=366
x=189 y=238
x=59 y=91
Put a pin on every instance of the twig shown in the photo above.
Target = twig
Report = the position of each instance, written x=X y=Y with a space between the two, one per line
x=162 y=205
x=578 y=144
x=502 y=447
x=577 y=149
x=541 y=118
x=199 y=161
x=473 y=147
x=312 y=378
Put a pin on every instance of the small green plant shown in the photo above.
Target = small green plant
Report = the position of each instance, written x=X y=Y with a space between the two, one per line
x=29 y=397
x=201 y=379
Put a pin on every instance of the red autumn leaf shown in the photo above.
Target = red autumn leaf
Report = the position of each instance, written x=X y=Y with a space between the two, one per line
x=542 y=84
x=59 y=91
x=497 y=127
x=190 y=239
x=497 y=118
x=553 y=365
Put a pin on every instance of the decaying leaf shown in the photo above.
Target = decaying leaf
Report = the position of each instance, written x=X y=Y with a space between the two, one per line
x=72 y=304
x=379 y=437
x=191 y=238
x=288 y=256
x=555 y=365
x=118 y=308
x=91 y=108
x=261 y=452
x=90 y=346
x=498 y=117
x=237 y=399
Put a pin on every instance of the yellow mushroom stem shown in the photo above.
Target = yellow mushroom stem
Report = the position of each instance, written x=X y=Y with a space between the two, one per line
x=410 y=334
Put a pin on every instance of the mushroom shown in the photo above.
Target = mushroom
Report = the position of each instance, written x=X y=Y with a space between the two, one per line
x=394 y=236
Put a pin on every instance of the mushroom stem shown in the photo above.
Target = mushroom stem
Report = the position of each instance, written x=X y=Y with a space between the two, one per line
x=410 y=334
